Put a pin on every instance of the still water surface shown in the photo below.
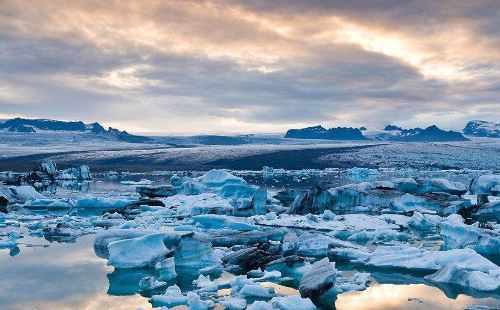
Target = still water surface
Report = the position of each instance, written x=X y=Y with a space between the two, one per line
x=47 y=275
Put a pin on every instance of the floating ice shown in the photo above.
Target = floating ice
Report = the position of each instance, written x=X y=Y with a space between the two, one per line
x=139 y=252
x=137 y=183
x=457 y=235
x=223 y=221
x=154 y=192
x=11 y=241
x=467 y=276
x=195 y=253
x=418 y=259
x=46 y=203
x=19 y=193
x=166 y=269
x=319 y=280
x=89 y=201
x=314 y=201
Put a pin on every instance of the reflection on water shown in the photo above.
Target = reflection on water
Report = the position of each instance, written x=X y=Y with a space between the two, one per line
x=60 y=277
x=71 y=276
x=104 y=183
x=395 y=297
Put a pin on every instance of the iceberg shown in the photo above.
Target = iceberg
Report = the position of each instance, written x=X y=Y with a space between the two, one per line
x=484 y=186
x=166 y=268
x=292 y=302
x=81 y=173
x=139 y=252
x=46 y=203
x=11 y=241
x=19 y=194
x=457 y=235
x=171 y=298
x=219 y=178
x=318 y=280
x=418 y=259
x=155 y=192
x=195 y=253
x=212 y=221
x=462 y=275
x=104 y=202
x=314 y=201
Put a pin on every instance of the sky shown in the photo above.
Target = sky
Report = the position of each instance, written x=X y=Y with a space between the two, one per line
x=250 y=66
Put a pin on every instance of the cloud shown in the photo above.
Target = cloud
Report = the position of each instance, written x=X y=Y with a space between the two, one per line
x=240 y=66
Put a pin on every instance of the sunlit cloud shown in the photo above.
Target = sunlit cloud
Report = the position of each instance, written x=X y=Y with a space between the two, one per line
x=247 y=63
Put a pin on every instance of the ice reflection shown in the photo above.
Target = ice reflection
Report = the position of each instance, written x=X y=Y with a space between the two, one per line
x=60 y=277
x=392 y=297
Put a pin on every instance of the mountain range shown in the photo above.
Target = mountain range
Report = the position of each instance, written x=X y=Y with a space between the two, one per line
x=482 y=129
x=319 y=132
x=389 y=133
x=476 y=128
x=44 y=125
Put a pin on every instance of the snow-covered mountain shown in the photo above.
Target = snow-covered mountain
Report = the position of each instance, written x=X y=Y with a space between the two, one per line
x=48 y=125
x=429 y=134
x=482 y=129
x=319 y=132
x=387 y=133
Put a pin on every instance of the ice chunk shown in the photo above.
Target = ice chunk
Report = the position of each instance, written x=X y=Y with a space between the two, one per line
x=441 y=185
x=314 y=201
x=462 y=275
x=250 y=258
x=171 y=298
x=260 y=305
x=47 y=203
x=293 y=302
x=11 y=241
x=104 y=238
x=361 y=172
x=419 y=259
x=230 y=237
x=423 y=222
x=150 y=283
x=287 y=196
x=219 y=178
x=379 y=236
x=254 y=291
x=19 y=194
x=358 y=282
x=269 y=172
x=166 y=269
x=457 y=235
x=195 y=302
x=198 y=204
x=319 y=280
x=221 y=221
x=74 y=174
x=104 y=202
x=154 y=192
x=484 y=186
x=139 y=252
x=233 y=303
x=195 y=253
x=137 y=183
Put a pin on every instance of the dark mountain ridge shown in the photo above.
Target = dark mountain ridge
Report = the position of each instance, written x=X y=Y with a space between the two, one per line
x=39 y=125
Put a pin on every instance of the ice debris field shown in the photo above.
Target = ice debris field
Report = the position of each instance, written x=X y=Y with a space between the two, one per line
x=269 y=239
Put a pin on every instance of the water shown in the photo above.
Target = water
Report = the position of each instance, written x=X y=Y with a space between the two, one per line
x=104 y=183
x=66 y=276
x=40 y=274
